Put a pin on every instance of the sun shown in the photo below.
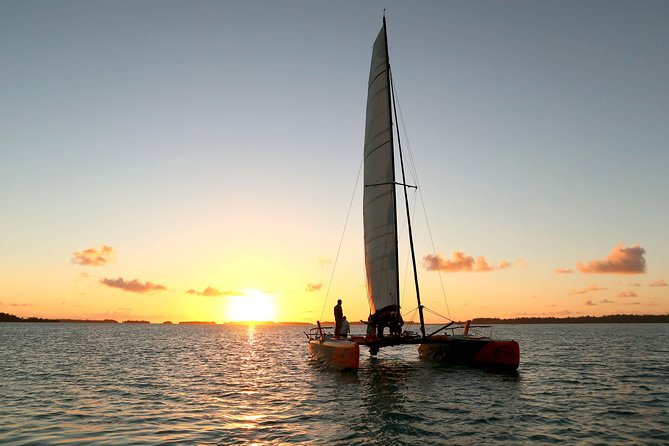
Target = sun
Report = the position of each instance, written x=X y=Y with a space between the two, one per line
x=254 y=306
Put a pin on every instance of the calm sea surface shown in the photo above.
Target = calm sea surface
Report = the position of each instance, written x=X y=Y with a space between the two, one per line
x=161 y=384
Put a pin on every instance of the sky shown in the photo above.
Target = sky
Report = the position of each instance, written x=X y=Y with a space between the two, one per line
x=172 y=160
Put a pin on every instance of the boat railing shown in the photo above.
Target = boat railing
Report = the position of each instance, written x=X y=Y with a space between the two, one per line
x=320 y=333
x=460 y=329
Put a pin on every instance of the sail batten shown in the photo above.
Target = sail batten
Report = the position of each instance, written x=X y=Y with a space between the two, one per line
x=378 y=147
x=379 y=202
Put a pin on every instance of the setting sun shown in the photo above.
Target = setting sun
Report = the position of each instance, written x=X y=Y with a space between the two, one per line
x=252 y=306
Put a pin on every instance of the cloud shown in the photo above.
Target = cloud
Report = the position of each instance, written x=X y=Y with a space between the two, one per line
x=210 y=291
x=133 y=286
x=660 y=282
x=94 y=256
x=590 y=303
x=324 y=262
x=312 y=287
x=627 y=294
x=563 y=271
x=587 y=290
x=504 y=264
x=636 y=284
x=621 y=260
x=461 y=262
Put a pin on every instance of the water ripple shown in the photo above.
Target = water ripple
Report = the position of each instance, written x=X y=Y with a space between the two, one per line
x=121 y=384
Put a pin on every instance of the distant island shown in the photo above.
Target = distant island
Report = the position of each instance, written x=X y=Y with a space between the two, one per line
x=610 y=319
x=136 y=322
x=5 y=317
x=86 y=321
x=197 y=323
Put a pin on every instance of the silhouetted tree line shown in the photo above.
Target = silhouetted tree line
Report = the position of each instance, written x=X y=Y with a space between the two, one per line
x=6 y=317
x=611 y=319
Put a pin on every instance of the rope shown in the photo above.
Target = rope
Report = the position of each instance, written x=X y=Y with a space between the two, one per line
x=414 y=172
x=341 y=240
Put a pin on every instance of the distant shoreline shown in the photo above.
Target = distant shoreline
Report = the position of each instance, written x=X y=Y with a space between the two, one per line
x=609 y=319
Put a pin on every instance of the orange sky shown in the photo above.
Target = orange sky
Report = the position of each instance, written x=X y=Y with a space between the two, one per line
x=93 y=286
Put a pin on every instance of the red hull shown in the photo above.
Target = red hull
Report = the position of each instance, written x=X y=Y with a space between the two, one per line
x=339 y=354
x=472 y=351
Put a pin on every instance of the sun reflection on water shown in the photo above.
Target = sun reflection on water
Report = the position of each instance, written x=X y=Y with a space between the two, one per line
x=251 y=332
x=247 y=422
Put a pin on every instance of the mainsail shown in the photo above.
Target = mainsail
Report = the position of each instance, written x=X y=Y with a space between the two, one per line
x=379 y=203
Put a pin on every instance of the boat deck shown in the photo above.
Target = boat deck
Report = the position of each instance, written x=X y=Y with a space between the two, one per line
x=390 y=341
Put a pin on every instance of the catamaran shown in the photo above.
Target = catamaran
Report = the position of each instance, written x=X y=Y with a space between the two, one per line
x=380 y=221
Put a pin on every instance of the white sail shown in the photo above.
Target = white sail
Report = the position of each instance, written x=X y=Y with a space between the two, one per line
x=379 y=204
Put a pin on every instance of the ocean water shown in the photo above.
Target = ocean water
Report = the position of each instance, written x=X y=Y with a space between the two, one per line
x=185 y=384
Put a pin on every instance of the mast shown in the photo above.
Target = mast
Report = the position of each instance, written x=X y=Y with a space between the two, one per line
x=406 y=196
x=392 y=150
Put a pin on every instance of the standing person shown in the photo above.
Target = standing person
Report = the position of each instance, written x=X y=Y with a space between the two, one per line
x=339 y=316
x=370 y=326
x=345 y=328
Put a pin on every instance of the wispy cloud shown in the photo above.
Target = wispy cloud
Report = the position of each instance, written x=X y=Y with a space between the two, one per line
x=133 y=286
x=587 y=290
x=606 y=301
x=589 y=303
x=210 y=291
x=627 y=294
x=312 y=287
x=621 y=260
x=324 y=262
x=563 y=271
x=660 y=282
x=461 y=262
x=94 y=256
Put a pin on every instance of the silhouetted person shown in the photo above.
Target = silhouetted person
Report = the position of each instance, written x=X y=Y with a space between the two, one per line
x=395 y=323
x=339 y=316
x=370 y=326
x=345 y=328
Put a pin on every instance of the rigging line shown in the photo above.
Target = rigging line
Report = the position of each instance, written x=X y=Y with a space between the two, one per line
x=393 y=101
x=437 y=314
x=341 y=240
x=422 y=199
x=410 y=317
x=406 y=267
